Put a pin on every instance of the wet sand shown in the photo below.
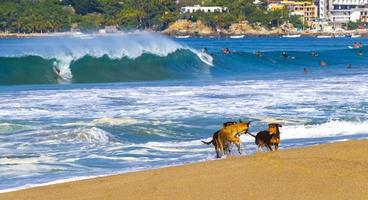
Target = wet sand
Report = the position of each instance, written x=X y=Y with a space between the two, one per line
x=330 y=171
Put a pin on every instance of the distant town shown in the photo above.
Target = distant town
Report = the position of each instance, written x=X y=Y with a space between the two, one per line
x=184 y=18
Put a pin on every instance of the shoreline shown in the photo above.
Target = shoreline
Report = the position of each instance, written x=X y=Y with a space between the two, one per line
x=327 y=165
x=363 y=33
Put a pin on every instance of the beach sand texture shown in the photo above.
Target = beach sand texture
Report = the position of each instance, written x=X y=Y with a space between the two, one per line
x=330 y=171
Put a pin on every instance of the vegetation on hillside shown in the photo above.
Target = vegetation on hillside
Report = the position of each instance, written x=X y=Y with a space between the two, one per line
x=88 y=15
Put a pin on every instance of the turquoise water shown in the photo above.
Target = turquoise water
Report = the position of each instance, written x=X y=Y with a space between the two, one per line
x=138 y=101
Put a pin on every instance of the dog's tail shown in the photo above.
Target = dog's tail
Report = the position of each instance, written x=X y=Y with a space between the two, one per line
x=208 y=143
x=251 y=134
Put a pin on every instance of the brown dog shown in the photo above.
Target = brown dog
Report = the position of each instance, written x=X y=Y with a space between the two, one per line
x=228 y=134
x=268 y=138
x=215 y=136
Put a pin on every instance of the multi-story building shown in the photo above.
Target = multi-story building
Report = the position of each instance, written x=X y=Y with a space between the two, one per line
x=206 y=9
x=342 y=11
x=305 y=9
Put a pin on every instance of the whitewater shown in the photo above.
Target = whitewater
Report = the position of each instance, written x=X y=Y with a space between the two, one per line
x=137 y=101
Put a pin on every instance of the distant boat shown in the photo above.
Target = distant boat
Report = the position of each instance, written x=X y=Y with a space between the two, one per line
x=340 y=36
x=237 y=36
x=354 y=36
x=324 y=36
x=182 y=36
x=291 y=36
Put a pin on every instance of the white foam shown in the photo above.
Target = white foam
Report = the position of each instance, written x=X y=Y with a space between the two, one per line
x=68 y=49
x=93 y=134
x=116 y=121
x=328 y=129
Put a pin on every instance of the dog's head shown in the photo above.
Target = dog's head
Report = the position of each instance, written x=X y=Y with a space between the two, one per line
x=273 y=128
x=240 y=127
x=229 y=123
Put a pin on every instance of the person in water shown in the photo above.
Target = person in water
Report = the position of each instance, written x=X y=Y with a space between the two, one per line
x=57 y=70
x=306 y=70
x=360 y=53
x=259 y=54
x=226 y=51
x=284 y=54
x=205 y=50
x=314 y=54
x=322 y=63
x=360 y=45
x=349 y=66
x=356 y=46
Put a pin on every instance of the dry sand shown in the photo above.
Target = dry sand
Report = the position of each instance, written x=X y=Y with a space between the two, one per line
x=331 y=171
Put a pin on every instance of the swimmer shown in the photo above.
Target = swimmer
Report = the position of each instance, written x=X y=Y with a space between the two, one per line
x=306 y=70
x=314 y=54
x=226 y=51
x=259 y=54
x=349 y=66
x=355 y=45
x=284 y=54
x=322 y=63
x=360 y=45
x=360 y=53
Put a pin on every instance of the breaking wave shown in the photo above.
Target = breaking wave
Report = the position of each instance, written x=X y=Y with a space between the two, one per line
x=137 y=56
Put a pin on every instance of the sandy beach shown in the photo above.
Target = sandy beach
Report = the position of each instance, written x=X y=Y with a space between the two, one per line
x=330 y=171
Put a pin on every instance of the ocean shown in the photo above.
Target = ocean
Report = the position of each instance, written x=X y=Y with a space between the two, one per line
x=83 y=106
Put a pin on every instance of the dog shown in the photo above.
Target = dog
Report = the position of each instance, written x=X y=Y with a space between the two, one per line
x=215 y=136
x=268 y=138
x=223 y=138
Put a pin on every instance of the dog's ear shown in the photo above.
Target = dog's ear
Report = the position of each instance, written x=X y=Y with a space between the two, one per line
x=248 y=123
x=279 y=125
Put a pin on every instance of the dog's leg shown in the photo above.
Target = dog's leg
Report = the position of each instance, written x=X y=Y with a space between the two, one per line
x=221 y=147
x=260 y=147
x=276 y=147
x=269 y=147
x=217 y=153
x=217 y=148
x=238 y=145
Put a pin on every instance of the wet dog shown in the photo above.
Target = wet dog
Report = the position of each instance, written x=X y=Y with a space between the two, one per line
x=223 y=138
x=215 y=136
x=268 y=138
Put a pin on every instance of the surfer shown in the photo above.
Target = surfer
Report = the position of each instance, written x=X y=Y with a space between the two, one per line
x=322 y=63
x=57 y=70
x=284 y=54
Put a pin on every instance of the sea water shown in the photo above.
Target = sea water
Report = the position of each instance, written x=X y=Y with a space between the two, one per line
x=82 y=106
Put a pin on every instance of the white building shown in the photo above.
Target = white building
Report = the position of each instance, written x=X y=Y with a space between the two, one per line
x=342 y=11
x=206 y=9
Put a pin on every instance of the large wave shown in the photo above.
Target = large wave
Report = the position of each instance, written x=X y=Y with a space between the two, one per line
x=136 y=56
x=143 y=56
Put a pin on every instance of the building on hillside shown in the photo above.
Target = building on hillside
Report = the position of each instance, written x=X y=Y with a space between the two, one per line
x=305 y=9
x=324 y=6
x=342 y=11
x=273 y=2
x=364 y=16
x=321 y=25
x=348 y=10
x=275 y=6
x=205 y=9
